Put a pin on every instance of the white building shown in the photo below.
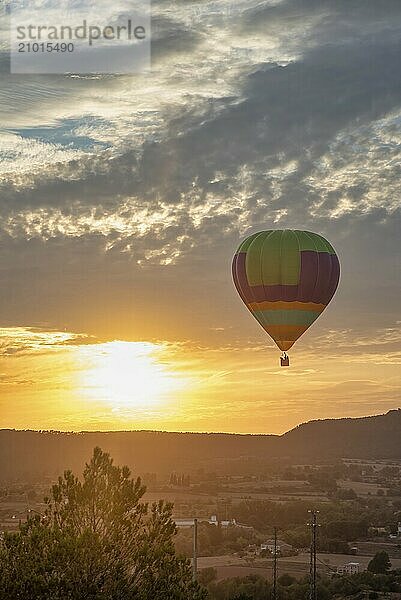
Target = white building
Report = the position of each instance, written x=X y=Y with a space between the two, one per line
x=394 y=536
x=183 y=523
x=225 y=523
x=269 y=545
x=350 y=568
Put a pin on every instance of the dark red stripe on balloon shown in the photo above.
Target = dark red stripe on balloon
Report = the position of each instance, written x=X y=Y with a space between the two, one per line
x=319 y=277
x=309 y=269
x=239 y=276
x=320 y=273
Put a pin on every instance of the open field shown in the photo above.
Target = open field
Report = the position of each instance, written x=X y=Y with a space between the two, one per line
x=237 y=494
x=273 y=495
x=361 y=488
x=232 y=566
x=11 y=512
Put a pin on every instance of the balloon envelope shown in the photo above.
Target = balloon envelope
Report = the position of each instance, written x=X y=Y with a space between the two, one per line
x=286 y=278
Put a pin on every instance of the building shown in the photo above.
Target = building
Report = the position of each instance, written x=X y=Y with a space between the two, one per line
x=282 y=547
x=351 y=568
x=379 y=531
x=396 y=535
x=183 y=523
x=225 y=523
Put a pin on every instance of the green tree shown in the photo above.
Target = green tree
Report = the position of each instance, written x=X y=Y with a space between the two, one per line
x=380 y=563
x=207 y=576
x=252 y=587
x=96 y=540
x=286 y=580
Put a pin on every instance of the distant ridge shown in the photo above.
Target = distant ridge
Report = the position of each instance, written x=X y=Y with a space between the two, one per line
x=26 y=455
x=377 y=436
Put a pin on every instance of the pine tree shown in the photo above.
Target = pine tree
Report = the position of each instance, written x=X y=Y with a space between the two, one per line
x=380 y=563
x=96 y=540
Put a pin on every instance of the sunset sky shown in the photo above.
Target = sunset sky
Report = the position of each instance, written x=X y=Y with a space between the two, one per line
x=123 y=199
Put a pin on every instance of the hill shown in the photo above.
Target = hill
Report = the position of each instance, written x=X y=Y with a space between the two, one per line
x=30 y=455
x=366 y=437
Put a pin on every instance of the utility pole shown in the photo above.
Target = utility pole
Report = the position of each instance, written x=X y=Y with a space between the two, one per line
x=195 y=553
x=274 y=596
x=313 y=567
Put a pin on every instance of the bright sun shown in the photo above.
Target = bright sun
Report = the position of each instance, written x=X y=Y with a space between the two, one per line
x=127 y=374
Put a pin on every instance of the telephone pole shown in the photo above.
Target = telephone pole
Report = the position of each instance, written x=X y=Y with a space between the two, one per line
x=274 y=595
x=195 y=551
x=313 y=567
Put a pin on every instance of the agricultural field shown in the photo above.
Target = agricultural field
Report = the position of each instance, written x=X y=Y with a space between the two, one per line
x=362 y=488
x=297 y=566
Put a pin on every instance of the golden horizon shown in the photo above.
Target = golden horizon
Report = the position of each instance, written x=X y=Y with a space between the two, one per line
x=72 y=382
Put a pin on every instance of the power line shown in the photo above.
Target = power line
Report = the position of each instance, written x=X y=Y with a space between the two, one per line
x=195 y=551
x=274 y=594
x=327 y=565
x=313 y=564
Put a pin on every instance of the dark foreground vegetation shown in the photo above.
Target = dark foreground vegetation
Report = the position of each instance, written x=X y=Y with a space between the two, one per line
x=356 y=587
x=96 y=540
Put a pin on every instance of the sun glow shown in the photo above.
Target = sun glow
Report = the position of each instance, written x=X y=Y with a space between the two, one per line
x=128 y=375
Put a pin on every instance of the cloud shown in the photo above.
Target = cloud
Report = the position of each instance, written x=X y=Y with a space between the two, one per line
x=251 y=159
x=122 y=199
x=23 y=341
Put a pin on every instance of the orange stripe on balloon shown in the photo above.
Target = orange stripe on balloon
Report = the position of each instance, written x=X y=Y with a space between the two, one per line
x=282 y=305
x=286 y=331
x=285 y=345
x=285 y=335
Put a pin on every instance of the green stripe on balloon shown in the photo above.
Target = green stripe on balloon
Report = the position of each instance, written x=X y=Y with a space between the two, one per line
x=313 y=241
x=246 y=243
x=273 y=258
x=289 y=317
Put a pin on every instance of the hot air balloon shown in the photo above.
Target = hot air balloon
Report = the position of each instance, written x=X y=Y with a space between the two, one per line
x=286 y=278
